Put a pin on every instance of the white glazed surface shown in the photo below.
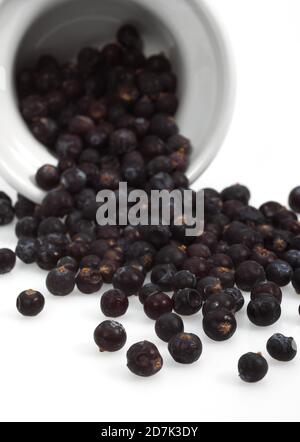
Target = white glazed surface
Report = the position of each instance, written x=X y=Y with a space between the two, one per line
x=200 y=53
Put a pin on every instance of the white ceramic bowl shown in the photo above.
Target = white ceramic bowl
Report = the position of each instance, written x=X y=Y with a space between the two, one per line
x=186 y=30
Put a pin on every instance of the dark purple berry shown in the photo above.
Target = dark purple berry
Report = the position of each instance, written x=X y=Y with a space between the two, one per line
x=163 y=276
x=157 y=305
x=26 y=250
x=148 y=290
x=219 y=325
x=110 y=336
x=89 y=280
x=7 y=261
x=221 y=301
x=281 y=348
x=168 y=325
x=60 y=281
x=266 y=288
x=249 y=274
x=144 y=359
x=187 y=302
x=279 y=272
x=30 y=303
x=114 y=303
x=47 y=177
x=252 y=367
x=129 y=280
x=294 y=200
x=264 y=311
x=185 y=348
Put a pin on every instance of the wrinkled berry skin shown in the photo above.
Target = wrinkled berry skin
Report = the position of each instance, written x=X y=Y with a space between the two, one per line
x=110 y=336
x=219 y=325
x=281 y=348
x=60 y=281
x=184 y=280
x=249 y=274
x=157 y=305
x=146 y=291
x=69 y=263
x=185 y=348
x=89 y=280
x=209 y=286
x=168 y=325
x=163 y=276
x=129 y=280
x=7 y=261
x=114 y=303
x=264 y=311
x=266 y=288
x=144 y=359
x=252 y=367
x=237 y=296
x=187 y=302
x=30 y=303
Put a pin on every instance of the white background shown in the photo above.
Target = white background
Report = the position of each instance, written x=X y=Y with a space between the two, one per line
x=50 y=368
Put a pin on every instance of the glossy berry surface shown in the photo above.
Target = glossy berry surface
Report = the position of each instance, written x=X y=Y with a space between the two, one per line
x=157 y=305
x=47 y=177
x=144 y=359
x=279 y=272
x=30 y=303
x=222 y=301
x=264 y=311
x=209 y=286
x=163 y=276
x=89 y=280
x=187 y=302
x=168 y=325
x=238 y=297
x=267 y=288
x=249 y=274
x=129 y=280
x=110 y=336
x=252 y=367
x=219 y=325
x=114 y=303
x=69 y=263
x=282 y=348
x=146 y=291
x=60 y=281
x=184 y=279
x=7 y=261
x=185 y=348
x=225 y=275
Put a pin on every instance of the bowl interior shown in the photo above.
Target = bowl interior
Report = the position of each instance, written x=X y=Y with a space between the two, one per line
x=62 y=27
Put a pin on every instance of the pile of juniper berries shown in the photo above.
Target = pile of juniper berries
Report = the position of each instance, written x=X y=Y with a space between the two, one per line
x=109 y=117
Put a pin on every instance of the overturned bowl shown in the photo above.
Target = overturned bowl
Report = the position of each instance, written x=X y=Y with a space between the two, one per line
x=186 y=30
